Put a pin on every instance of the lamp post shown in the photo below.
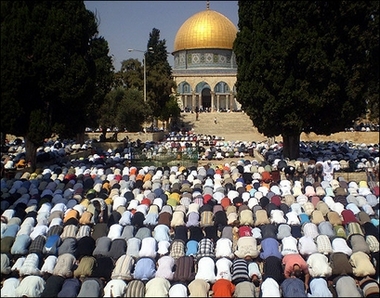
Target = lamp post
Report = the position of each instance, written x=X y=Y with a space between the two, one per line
x=150 y=49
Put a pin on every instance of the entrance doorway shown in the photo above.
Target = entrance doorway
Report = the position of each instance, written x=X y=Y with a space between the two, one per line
x=206 y=98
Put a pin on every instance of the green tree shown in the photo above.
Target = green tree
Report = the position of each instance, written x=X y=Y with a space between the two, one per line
x=160 y=83
x=130 y=75
x=109 y=109
x=171 y=111
x=49 y=58
x=306 y=66
x=105 y=76
x=132 y=111
x=124 y=108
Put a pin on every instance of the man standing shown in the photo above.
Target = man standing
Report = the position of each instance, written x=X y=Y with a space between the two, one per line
x=196 y=113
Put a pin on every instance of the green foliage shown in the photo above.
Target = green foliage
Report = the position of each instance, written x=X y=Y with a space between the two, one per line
x=124 y=108
x=159 y=80
x=131 y=74
x=38 y=127
x=171 y=110
x=132 y=111
x=104 y=78
x=306 y=66
x=55 y=69
x=109 y=108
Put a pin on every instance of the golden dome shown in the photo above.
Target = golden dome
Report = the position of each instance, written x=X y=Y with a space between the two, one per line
x=204 y=30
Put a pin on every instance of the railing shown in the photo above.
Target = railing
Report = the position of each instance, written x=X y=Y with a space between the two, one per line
x=170 y=157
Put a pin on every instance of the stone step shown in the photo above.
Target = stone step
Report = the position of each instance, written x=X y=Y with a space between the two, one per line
x=215 y=123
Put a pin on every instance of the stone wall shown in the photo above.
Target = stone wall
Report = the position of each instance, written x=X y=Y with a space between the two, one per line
x=351 y=176
x=133 y=136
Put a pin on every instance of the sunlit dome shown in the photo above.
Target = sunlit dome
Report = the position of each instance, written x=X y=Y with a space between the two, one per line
x=204 y=30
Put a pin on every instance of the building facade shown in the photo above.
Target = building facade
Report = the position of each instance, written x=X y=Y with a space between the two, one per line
x=204 y=63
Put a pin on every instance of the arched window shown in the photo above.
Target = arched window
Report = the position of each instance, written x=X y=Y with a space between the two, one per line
x=201 y=86
x=184 y=87
x=222 y=87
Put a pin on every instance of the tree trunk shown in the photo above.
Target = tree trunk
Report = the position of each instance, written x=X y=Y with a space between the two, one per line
x=103 y=135
x=114 y=136
x=31 y=153
x=291 y=147
x=3 y=139
x=80 y=138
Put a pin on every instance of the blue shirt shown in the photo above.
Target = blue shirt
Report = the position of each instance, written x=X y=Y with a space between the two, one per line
x=11 y=231
x=191 y=248
x=270 y=247
x=319 y=288
x=303 y=218
x=145 y=269
x=293 y=287
x=70 y=288
x=162 y=233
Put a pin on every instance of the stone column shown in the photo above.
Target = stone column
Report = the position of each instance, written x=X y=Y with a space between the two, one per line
x=218 y=102
x=232 y=105
x=212 y=101
x=192 y=101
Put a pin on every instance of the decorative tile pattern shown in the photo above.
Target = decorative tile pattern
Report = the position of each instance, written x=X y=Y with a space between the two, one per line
x=208 y=58
x=195 y=58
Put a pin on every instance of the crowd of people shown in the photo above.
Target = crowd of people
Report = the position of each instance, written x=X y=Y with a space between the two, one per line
x=101 y=227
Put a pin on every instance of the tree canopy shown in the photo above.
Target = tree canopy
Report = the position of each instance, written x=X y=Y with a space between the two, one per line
x=125 y=109
x=104 y=79
x=131 y=74
x=306 y=66
x=159 y=81
x=55 y=69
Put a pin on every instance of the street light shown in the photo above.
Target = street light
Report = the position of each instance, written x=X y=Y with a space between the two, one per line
x=150 y=49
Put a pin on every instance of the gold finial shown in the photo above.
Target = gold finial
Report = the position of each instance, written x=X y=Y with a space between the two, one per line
x=207 y=5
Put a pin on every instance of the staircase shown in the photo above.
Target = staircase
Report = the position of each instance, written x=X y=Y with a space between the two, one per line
x=231 y=126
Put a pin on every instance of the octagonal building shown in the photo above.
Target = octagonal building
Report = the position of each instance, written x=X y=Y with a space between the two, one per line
x=204 y=63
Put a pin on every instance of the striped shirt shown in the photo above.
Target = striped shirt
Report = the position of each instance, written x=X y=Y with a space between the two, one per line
x=324 y=244
x=69 y=231
x=207 y=219
x=239 y=271
x=135 y=288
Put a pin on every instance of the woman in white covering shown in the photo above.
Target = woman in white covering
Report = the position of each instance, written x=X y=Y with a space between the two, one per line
x=319 y=265
x=270 y=288
x=206 y=270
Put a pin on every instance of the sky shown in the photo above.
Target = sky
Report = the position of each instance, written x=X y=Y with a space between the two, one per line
x=127 y=24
